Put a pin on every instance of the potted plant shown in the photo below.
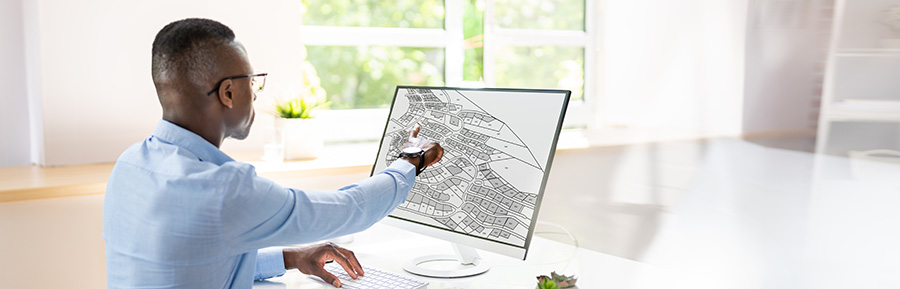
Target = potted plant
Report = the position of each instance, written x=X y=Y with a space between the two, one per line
x=295 y=122
x=555 y=281
x=300 y=132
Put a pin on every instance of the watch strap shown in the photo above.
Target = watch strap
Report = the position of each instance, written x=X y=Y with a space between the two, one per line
x=421 y=163
x=421 y=156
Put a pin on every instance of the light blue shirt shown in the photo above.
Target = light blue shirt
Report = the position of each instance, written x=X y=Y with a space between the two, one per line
x=179 y=213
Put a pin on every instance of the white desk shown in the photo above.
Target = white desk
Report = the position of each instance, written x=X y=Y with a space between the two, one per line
x=387 y=248
x=754 y=218
x=766 y=218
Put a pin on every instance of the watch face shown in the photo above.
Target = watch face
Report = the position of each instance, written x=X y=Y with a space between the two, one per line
x=412 y=150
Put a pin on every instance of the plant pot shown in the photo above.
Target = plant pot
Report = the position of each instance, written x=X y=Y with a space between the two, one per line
x=302 y=137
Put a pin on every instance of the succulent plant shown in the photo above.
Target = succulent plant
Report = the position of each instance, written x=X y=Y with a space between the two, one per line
x=297 y=108
x=545 y=282
x=555 y=281
x=562 y=280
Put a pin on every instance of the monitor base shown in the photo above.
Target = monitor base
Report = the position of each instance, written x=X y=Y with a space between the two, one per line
x=465 y=263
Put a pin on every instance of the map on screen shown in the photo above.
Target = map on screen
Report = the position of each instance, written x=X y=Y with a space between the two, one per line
x=497 y=146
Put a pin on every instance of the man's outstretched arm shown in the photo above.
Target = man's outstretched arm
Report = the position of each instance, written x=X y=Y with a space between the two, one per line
x=260 y=213
x=263 y=214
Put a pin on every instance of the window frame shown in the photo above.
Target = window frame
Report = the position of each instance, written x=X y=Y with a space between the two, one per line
x=450 y=38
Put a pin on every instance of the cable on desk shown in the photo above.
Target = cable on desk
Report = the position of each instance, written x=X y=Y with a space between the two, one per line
x=566 y=231
x=567 y=260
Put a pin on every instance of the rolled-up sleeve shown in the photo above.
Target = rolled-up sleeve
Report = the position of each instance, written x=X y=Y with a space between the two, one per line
x=258 y=213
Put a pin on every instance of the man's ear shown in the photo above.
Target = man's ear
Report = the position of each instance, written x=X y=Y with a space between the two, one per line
x=225 y=94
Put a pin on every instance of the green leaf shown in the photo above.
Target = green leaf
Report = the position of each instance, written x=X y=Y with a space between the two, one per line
x=545 y=282
x=297 y=108
x=562 y=280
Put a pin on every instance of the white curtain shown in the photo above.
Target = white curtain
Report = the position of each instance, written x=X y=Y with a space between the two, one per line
x=673 y=64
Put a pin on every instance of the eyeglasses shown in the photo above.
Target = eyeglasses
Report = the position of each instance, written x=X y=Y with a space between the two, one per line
x=257 y=82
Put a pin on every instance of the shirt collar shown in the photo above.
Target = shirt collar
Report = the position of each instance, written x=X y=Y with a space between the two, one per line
x=174 y=134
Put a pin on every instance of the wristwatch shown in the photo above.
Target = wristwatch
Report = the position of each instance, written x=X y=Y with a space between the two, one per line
x=415 y=152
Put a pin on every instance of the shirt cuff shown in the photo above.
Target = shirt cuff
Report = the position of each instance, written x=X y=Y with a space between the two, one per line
x=407 y=169
x=269 y=263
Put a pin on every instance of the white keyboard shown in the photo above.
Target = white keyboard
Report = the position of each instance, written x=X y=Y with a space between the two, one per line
x=374 y=279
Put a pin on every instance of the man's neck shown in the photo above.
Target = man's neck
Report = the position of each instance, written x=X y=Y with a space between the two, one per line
x=205 y=130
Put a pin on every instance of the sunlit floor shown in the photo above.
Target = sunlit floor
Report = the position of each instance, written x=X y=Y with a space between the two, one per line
x=633 y=189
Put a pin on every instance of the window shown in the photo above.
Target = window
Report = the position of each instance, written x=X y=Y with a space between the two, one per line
x=360 y=76
x=538 y=44
x=362 y=49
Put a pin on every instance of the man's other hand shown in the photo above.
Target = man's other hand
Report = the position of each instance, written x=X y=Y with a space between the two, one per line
x=311 y=261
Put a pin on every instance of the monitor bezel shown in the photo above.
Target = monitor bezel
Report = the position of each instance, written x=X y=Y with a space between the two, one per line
x=460 y=237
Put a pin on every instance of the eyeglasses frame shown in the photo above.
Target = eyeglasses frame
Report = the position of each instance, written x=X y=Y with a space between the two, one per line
x=219 y=84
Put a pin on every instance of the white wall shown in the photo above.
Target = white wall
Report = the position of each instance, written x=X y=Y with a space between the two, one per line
x=786 y=46
x=14 y=128
x=91 y=60
x=674 y=64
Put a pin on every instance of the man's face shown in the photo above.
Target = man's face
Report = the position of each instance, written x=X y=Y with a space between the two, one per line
x=239 y=118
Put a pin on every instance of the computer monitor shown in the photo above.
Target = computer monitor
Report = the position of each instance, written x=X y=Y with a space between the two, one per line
x=486 y=191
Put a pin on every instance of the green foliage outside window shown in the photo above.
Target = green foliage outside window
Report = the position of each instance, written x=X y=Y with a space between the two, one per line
x=375 y=13
x=473 y=32
x=365 y=76
x=541 y=67
x=540 y=14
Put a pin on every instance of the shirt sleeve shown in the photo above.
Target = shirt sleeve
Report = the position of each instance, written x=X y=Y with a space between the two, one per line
x=269 y=263
x=258 y=213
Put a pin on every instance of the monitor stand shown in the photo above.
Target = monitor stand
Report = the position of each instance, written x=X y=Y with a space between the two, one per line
x=465 y=263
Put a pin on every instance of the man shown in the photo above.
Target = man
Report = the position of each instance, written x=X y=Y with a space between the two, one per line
x=179 y=213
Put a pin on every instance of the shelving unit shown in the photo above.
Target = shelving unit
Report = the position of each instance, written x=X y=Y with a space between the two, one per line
x=860 y=107
x=864 y=110
x=868 y=52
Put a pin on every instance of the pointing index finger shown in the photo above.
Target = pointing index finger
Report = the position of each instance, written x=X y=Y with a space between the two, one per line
x=415 y=132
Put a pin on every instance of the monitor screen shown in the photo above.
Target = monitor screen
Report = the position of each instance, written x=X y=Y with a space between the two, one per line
x=498 y=146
